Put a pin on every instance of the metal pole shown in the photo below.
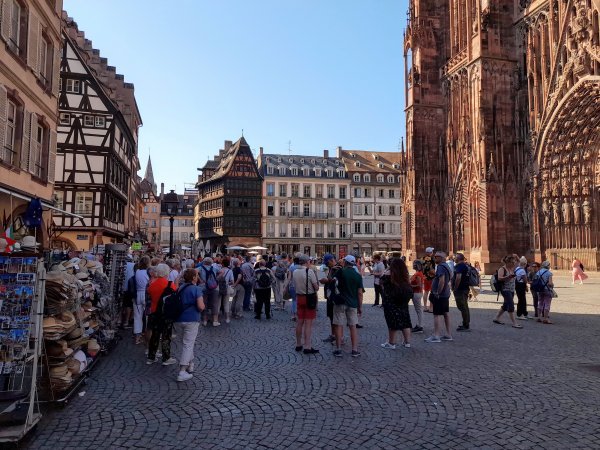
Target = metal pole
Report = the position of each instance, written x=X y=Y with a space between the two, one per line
x=171 y=220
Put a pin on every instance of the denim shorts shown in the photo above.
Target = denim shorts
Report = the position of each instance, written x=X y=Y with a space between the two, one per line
x=509 y=304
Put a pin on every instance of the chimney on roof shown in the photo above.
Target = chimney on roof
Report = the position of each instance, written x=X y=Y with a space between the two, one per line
x=325 y=153
x=162 y=190
x=339 y=151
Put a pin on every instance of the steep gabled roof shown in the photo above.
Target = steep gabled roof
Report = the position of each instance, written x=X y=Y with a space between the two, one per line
x=227 y=157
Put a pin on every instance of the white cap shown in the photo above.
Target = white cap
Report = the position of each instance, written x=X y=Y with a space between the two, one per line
x=429 y=250
x=350 y=259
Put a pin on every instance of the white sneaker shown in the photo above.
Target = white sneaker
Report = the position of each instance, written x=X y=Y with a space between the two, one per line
x=389 y=346
x=216 y=324
x=190 y=368
x=433 y=340
x=447 y=338
x=184 y=376
x=405 y=345
x=158 y=354
x=169 y=362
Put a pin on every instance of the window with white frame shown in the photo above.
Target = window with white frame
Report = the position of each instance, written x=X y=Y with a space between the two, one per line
x=307 y=191
x=283 y=189
x=270 y=170
x=306 y=209
x=341 y=173
x=17 y=26
x=380 y=178
x=357 y=227
x=307 y=230
x=343 y=230
x=381 y=210
x=356 y=177
x=295 y=190
x=317 y=172
x=394 y=228
x=59 y=199
x=342 y=192
x=270 y=189
x=367 y=178
x=45 y=61
x=88 y=121
x=37 y=140
x=84 y=202
x=368 y=227
x=342 y=210
x=65 y=119
x=391 y=193
x=331 y=191
x=295 y=209
x=381 y=193
x=270 y=208
x=100 y=122
x=367 y=192
x=281 y=171
x=283 y=230
x=319 y=191
x=270 y=229
x=381 y=227
x=392 y=210
x=294 y=171
x=358 y=210
x=295 y=230
x=357 y=193
x=368 y=209
x=73 y=86
x=329 y=173
x=390 y=178
x=282 y=208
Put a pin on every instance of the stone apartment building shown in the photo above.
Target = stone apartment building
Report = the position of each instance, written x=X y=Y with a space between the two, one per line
x=30 y=42
x=305 y=204
x=183 y=221
x=375 y=198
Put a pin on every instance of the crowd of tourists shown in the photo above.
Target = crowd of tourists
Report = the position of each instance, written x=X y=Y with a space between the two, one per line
x=169 y=297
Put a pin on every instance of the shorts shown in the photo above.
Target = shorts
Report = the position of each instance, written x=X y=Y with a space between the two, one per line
x=126 y=300
x=509 y=304
x=427 y=285
x=441 y=305
x=303 y=312
x=345 y=315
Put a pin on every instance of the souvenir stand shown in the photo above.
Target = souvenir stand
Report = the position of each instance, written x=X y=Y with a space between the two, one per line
x=115 y=258
x=72 y=327
x=22 y=279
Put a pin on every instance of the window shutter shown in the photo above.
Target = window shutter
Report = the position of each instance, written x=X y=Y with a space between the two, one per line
x=52 y=157
x=5 y=22
x=3 y=118
x=26 y=139
x=56 y=69
x=32 y=144
x=33 y=44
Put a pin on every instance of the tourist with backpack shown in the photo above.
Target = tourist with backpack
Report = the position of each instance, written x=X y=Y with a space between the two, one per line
x=208 y=280
x=544 y=286
x=247 y=281
x=226 y=291
x=306 y=287
x=460 y=289
x=506 y=284
x=162 y=328
x=264 y=280
x=280 y=271
x=190 y=304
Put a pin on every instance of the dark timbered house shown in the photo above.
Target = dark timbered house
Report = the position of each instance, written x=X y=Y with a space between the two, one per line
x=229 y=192
x=97 y=146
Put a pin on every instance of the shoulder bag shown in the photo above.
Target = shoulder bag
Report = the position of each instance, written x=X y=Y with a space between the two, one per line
x=311 y=299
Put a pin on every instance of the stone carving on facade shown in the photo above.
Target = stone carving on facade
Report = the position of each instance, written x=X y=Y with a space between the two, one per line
x=576 y=211
x=587 y=212
x=556 y=212
x=566 y=212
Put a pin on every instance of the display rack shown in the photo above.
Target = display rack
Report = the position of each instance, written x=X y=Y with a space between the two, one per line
x=22 y=288
x=115 y=258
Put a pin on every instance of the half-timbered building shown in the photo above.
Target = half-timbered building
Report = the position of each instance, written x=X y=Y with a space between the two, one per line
x=97 y=146
x=229 y=193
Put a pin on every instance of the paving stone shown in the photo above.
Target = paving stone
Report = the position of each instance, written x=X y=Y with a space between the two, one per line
x=495 y=387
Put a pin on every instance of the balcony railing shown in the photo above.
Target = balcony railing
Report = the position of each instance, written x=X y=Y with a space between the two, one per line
x=319 y=215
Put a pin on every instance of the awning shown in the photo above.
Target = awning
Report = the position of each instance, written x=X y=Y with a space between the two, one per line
x=44 y=204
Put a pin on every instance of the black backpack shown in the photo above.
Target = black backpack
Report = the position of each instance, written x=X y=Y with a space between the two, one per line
x=172 y=303
x=263 y=280
x=131 y=291
x=222 y=280
x=473 y=276
x=496 y=283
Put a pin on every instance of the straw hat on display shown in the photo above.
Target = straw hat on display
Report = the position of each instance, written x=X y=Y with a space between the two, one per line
x=28 y=243
x=93 y=347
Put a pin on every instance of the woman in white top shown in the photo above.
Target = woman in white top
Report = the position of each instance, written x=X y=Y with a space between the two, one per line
x=141 y=283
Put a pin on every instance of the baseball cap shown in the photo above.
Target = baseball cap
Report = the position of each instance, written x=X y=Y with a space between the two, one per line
x=328 y=257
x=350 y=259
x=303 y=259
x=429 y=250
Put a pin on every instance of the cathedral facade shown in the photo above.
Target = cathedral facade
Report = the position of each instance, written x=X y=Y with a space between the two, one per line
x=502 y=122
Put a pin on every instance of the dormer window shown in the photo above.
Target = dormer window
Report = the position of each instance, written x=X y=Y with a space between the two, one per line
x=282 y=171
x=301 y=160
x=380 y=165
x=367 y=178
x=380 y=178
x=396 y=166
x=357 y=163
x=294 y=171
x=341 y=174
x=270 y=170
x=375 y=157
x=390 y=178
x=312 y=161
x=356 y=177
x=279 y=159
x=317 y=172
x=329 y=173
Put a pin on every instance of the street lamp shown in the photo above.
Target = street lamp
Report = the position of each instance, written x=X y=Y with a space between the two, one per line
x=191 y=243
x=171 y=205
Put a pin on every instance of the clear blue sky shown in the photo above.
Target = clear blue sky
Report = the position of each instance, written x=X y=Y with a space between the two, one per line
x=318 y=73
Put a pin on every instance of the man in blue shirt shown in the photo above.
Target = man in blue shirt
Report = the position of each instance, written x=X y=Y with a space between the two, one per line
x=440 y=297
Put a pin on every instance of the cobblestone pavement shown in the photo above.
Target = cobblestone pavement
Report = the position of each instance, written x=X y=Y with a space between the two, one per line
x=496 y=387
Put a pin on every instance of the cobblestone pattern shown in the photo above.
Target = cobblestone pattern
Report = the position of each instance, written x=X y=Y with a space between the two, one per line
x=496 y=387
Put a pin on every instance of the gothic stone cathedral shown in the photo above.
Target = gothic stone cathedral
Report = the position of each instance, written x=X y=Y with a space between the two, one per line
x=502 y=122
